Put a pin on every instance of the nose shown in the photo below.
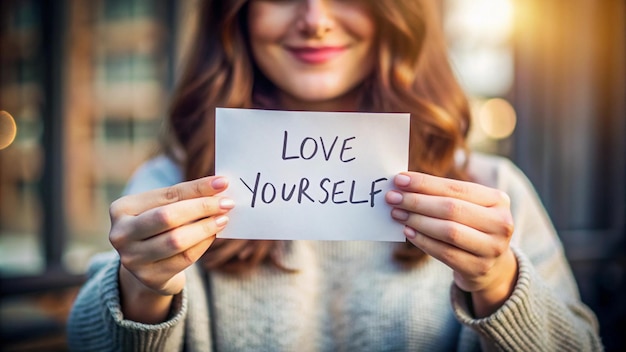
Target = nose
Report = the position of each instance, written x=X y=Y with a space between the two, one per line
x=315 y=18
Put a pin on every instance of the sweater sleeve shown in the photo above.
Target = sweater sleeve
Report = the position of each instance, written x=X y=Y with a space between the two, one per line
x=96 y=321
x=544 y=313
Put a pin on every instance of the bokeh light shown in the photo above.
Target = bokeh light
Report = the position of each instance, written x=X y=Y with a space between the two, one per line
x=497 y=118
x=8 y=129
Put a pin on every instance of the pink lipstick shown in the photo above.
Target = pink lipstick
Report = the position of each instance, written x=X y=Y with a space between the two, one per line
x=316 y=55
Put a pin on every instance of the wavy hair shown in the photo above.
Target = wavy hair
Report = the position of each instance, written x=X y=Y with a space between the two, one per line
x=412 y=74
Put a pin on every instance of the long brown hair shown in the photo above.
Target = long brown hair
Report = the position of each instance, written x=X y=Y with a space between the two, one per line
x=412 y=75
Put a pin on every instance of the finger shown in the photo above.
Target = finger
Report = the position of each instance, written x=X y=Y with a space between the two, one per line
x=453 y=233
x=171 y=216
x=445 y=187
x=179 y=240
x=186 y=258
x=157 y=275
x=457 y=259
x=138 y=203
x=491 y=220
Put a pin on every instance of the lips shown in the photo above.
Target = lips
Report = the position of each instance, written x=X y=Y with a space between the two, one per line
x=316 y=55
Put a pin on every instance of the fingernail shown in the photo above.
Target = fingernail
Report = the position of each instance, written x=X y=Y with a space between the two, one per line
x=409 y=232
x=219 y=183
x=394 y=197
x=221 y=220
x=227 y=203
x=402 y=180
x=399 y=214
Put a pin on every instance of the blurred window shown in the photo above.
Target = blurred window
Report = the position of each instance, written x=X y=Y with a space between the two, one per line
x=479 y=34
x=87 y=83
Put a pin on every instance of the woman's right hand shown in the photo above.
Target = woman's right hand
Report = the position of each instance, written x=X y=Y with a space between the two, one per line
x=160 y=233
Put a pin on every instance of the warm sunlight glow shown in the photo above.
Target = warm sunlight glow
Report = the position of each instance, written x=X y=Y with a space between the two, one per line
x=492 y=18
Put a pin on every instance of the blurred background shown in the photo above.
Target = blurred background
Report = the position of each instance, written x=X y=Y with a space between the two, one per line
x=88 y=84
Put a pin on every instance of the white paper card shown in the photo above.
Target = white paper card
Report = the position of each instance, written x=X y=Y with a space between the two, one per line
x=310 y=175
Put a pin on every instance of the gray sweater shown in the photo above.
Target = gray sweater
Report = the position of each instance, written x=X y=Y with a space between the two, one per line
x=350 y=296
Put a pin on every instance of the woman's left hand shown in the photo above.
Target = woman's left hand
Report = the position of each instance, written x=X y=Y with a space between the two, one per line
x=465 y=225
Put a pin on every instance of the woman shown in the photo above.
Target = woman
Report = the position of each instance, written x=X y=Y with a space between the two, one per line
x=482 y=266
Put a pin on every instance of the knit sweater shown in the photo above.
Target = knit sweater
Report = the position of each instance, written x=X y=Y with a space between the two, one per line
x=350 y=295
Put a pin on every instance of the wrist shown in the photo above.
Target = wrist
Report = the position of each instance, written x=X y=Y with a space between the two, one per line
x=140 y=303
x=489 y=299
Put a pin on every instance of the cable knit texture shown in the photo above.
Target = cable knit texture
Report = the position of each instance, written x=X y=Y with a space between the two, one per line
x=350 y=296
